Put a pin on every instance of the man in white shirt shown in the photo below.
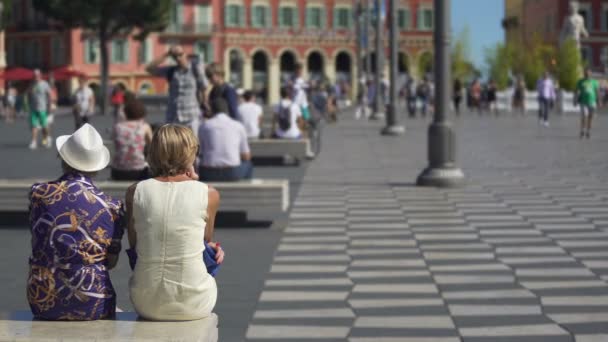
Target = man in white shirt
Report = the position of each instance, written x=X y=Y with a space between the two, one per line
x=251 y=115
x=224 y=154
x=84 y=103
x=287 y=117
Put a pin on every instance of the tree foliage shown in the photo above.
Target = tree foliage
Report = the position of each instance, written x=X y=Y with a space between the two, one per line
x=569 y=65
x=108 y=19
x=462 y=67
x=498 y=60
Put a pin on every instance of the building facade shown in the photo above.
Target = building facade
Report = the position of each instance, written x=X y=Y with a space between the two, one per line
x=258 y=41
x=544 y=19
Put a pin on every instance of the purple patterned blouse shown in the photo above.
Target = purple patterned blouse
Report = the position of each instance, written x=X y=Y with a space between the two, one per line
x=72 y=224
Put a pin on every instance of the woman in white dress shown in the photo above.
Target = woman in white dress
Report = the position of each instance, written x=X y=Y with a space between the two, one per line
x=171 y=216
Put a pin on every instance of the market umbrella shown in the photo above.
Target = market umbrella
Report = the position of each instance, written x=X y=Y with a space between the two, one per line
x=17 y=74
x=65 y=73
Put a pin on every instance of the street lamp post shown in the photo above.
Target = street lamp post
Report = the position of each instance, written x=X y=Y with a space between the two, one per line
x=379 y=98
x=442 y=170
x=392 y=118
x=366 y=24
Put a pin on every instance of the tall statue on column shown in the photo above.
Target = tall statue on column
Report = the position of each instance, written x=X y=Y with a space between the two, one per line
x=574 y=26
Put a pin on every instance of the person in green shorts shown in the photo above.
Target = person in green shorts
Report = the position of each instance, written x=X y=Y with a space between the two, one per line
x=587 y=96
x=39 y=99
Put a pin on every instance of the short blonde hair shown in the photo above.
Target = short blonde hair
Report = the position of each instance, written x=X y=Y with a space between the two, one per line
x=172 y=151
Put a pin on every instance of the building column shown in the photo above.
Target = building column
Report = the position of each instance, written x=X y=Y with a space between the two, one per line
x=273 y=80
x=330 y=70
x=247 y=73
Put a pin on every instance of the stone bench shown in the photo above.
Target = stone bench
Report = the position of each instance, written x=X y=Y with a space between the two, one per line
x=261 y=195
x=20 y=326
x=269 y=148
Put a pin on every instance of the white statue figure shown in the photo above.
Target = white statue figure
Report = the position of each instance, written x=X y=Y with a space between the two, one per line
x=574 y=26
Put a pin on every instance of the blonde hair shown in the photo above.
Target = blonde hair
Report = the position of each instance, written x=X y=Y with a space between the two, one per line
x=172 y=151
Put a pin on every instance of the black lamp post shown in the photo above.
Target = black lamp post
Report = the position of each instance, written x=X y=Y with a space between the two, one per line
x=442 y=170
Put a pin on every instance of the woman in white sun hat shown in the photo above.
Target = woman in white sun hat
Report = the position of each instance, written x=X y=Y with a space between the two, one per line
x=76 y=232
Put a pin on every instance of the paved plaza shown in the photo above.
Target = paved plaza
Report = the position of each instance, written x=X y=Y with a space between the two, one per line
x=518 y=254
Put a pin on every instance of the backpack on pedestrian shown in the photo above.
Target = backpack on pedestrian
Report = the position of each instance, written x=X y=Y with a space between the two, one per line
x=284 y=117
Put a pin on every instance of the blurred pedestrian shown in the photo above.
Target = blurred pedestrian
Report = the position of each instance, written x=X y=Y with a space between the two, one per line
x=475 y=91
x=39 y=100
x=84 y=103
x=118 y=101
x=491 y=96
x=362 y=109
x=587 y=95
x=411 y=97
x=130 y=138
x=457 y=95
x=519 y=95
x=546 y=95
x=251 y=113
x=300 y=87
x=424 y=95
x=221 y=89
x=186 y=87
x=11 y=104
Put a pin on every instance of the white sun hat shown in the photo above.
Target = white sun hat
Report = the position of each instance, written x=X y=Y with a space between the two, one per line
x=84 y=150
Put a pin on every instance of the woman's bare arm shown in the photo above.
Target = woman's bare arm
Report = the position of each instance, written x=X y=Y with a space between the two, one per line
x=131 y=234
x=212 y=206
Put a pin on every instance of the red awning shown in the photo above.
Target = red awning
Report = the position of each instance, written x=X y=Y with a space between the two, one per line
x=65 y=73
x=17 y=74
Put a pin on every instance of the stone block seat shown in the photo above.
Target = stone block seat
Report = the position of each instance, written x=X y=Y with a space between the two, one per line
x=253 y=196
x=127 y=326
x=269 y=148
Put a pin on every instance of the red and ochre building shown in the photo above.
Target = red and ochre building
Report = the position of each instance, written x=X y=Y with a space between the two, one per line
x=259 y=42
x=527 y=19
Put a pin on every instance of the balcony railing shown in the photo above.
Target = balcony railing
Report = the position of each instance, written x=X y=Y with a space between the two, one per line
x=190 y=28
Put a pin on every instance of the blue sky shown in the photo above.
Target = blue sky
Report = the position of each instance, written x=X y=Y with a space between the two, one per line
x=483 y=18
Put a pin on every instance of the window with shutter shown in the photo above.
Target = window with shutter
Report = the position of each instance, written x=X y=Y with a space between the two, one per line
x=267 y=16
x=288 y=17
x=341 y=18
x=428 y=19
x=120 y=51
x=313 y=17
x=242 y=17
x=91 y=51
x=202 y=17
x=403 y=19
x=233 y=16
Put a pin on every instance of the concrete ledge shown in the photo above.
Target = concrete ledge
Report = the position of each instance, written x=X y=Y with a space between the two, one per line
x=296 y=148
x=262 y=195
x=20 y=326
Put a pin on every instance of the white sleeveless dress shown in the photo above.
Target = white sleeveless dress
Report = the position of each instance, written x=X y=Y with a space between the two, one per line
x=170 y=280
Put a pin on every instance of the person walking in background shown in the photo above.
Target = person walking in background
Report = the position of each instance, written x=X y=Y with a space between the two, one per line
x=362 y=100
x=131 y=136
x=457 y=95
x=220 y=89
x=424 y=94
x=84 y=103
x=411 y=98
x=519 y=96
x=475 y=92
x=251 y=113
x=492 y=97
x=39 y=99
x=118 y=101
x=546 y=95
x=587 y=95
x=224 y=154
x=186 y=87
x=11 y=104
x=300 y=87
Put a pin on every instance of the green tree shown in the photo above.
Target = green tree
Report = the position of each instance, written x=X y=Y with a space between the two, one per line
x=462 y=67
x=498 y=60
x=425 y=63
x=568 y=65
x=108 y=19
